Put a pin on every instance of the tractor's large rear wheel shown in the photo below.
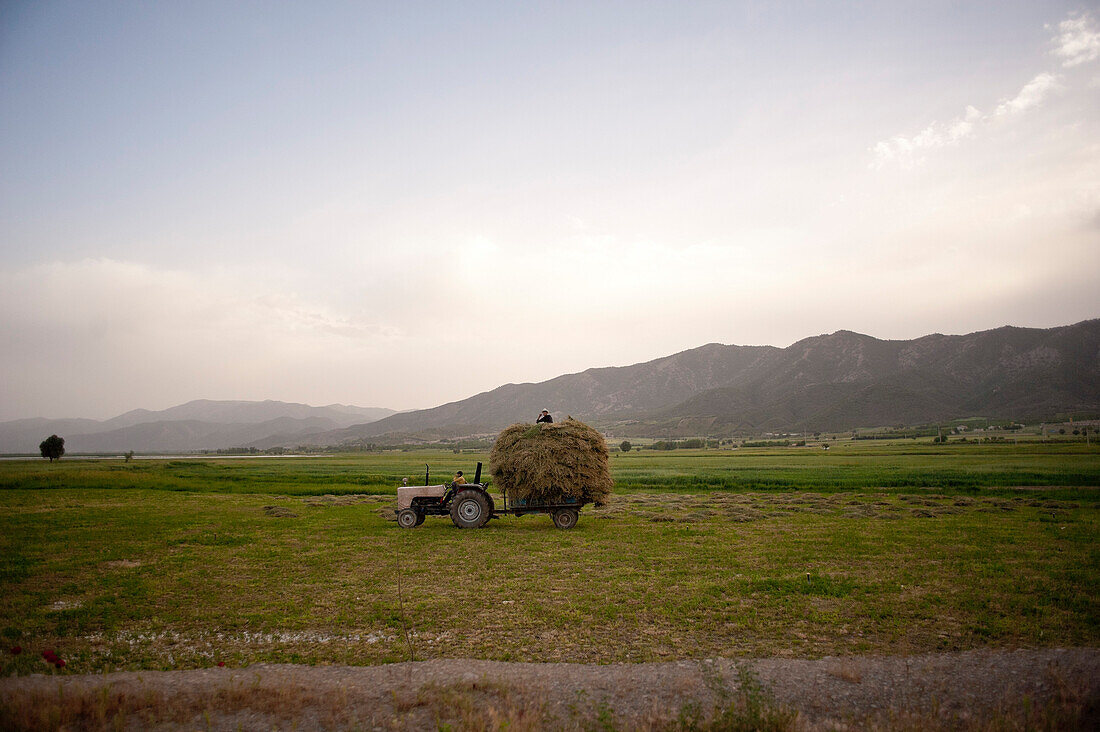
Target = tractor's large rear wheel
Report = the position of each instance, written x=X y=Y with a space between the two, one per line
x=470 y=509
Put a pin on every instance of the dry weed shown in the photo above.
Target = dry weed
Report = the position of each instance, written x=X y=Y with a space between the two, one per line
x=847 y=671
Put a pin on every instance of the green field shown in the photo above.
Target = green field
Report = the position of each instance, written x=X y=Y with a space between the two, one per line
x=877 y=548
x=848 y=466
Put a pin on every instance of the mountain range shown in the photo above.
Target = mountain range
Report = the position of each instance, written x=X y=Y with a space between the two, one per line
x=828 y=382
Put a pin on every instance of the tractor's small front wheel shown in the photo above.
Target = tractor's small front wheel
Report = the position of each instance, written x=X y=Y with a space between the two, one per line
x=407 y=518
x=470 y=509
x=565 y=518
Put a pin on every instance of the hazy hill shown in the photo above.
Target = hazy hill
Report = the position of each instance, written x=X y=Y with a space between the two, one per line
x=24 y=435
x=245 y=412
x=196 y=425
x=189 y=435
x=828 y=382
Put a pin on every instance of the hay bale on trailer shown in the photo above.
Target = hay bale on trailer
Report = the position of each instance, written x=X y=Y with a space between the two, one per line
x=543 y=462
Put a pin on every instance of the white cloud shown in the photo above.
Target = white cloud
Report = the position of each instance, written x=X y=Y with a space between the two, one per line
x=1030 y=96
x=1078 y=41
x=908 y=152
x=963 y=126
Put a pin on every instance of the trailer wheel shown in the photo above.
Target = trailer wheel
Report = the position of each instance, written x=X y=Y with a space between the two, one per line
x=470 y=510
x=407 y=518
x=565 y=518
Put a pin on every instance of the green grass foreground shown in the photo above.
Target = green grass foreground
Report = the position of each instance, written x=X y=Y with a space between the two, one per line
x=185 y=563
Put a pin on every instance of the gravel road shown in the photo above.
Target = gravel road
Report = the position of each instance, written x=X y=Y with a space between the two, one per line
x=954 y=690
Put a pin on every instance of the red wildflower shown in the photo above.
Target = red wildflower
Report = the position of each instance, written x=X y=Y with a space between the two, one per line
x=16 y=650
x=49 y=655
x=60 y=663
x=221 y=663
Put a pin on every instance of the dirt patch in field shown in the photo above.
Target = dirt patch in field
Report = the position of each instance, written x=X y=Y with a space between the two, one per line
x=58 y=605
x=1045 y=688
x=122 y=564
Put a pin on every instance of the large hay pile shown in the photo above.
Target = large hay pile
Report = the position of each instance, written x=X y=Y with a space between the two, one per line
x=541 y=462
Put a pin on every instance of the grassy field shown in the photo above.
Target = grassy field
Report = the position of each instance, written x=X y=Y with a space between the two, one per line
x=878 y=548
x=848 y=466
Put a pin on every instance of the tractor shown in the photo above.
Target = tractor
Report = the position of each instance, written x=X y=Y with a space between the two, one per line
x=470 y=506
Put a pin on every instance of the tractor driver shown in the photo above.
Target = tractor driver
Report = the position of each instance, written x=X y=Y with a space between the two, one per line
x=459 y=480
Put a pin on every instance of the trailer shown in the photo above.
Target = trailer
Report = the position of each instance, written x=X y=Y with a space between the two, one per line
x=470 y=505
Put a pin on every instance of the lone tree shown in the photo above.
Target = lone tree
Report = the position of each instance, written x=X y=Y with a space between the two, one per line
x=53 y=447
x=625 y=446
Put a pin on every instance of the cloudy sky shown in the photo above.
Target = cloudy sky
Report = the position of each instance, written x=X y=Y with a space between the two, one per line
x=403 y=204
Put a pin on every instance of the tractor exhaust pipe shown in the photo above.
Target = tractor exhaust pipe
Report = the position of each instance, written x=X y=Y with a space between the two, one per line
x=477 y=474
x=427 y=472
